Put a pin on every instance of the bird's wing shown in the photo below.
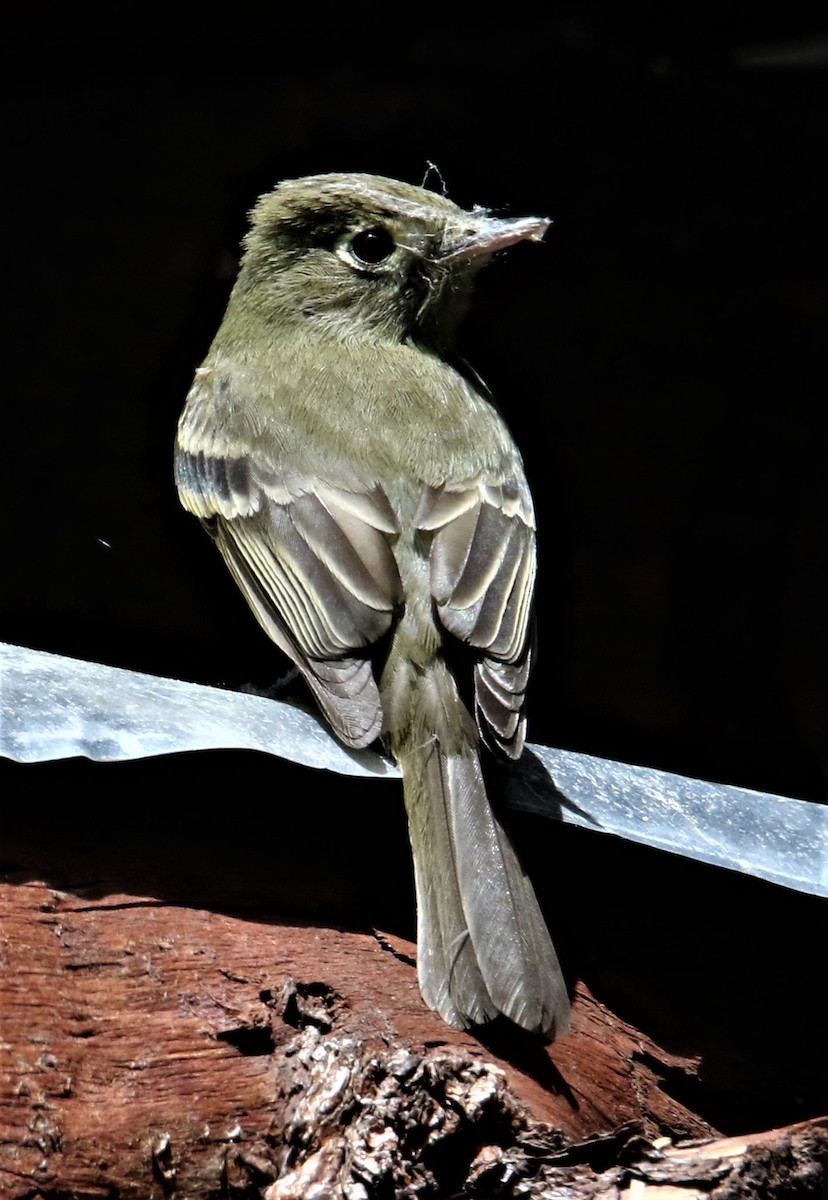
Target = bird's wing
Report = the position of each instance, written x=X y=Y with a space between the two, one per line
x=482 y=580
x=314 y=561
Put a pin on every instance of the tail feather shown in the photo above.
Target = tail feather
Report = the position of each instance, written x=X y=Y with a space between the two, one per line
x=449 y=974
x=483 y=945
x=507 y=929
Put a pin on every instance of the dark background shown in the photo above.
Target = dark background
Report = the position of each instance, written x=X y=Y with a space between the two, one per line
x=661 y=361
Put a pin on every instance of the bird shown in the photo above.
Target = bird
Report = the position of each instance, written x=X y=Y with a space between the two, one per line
x=370 y=503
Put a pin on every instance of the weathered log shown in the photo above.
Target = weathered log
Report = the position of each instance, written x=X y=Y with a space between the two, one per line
x=151 y=1050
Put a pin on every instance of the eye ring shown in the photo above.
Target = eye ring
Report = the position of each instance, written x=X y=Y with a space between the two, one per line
x=372 y=247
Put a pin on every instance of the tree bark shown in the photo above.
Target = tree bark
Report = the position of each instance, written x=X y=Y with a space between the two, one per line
x=150 y=1050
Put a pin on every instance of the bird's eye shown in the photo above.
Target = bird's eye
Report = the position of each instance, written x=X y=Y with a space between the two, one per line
x=372 y=246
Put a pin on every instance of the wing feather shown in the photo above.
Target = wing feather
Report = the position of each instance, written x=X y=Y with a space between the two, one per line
x=482 y=580
x=315 y=561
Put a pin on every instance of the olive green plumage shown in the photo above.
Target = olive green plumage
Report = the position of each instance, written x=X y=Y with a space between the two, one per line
x=372 y=507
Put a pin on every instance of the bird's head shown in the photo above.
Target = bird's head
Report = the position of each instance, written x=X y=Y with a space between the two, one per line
x=364 y=257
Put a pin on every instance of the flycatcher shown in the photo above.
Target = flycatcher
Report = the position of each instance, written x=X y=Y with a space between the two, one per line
x=372 y=507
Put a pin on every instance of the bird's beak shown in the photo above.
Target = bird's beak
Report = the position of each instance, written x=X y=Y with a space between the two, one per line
x=484 y=235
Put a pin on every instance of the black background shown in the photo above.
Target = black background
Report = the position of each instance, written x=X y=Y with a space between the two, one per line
x=660 y=360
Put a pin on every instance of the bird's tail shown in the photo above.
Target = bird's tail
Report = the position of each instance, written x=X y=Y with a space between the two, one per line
x=483 y=945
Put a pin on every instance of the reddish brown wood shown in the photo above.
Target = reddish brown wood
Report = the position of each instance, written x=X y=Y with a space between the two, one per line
x=147 y=1049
